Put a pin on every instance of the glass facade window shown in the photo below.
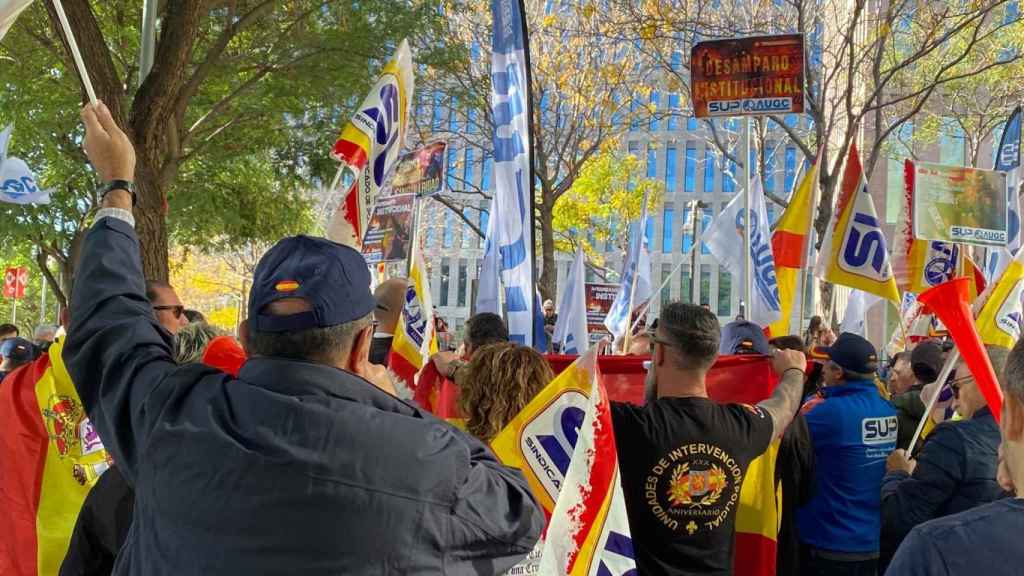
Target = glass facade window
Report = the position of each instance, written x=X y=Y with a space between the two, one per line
x=655 y=96
x=438 y=116
x=685 y=285
x=729 y=176
x=453 y=118
x=484 y=222
x=666 y=230
x=467 y=167
x=666 y=294
x=705 y=223
x=677 y=60
x=609 y=243
x=460 y=297
x=690 y=169
x=649 y=232
x=705 y=284
x=769 y=167
x=634 y=116
x=789 y=170
x=710 y=159
x=673 y=111
x=448 y=240
x=452 y=167
x=428 y=217
x=486 y=173
x=687 y=234
x=467 y=232
x=724 y=292
x=652 y=161
x=445 y=282
x=671 y=168
x=692 y=123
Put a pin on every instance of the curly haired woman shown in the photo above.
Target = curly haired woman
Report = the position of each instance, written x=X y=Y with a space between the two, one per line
x=501 y=379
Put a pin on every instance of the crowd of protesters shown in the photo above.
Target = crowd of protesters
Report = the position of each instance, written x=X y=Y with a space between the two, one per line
x=288 y=452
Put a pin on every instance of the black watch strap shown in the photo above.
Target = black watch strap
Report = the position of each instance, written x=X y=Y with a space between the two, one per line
x=125 y=185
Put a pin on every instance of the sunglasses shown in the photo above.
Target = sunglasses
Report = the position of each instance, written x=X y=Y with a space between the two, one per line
x=176 y=309
x=652 y=335
x=955 y=385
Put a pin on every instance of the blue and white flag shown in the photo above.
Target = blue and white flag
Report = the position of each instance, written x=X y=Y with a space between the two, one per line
x=725 y=241
x=571 y=329
x=857 y=306
x=510 y=94
x=17 y=183
x=638 y=264
x=487 y=298
x=1007 y=159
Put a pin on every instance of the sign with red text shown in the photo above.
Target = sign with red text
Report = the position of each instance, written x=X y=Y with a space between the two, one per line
x=748 y=76
x=599 y=302
x=15 y=280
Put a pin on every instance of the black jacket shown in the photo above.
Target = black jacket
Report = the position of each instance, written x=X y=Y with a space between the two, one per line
x=293 y=468
x=101 y=528
x=794 y=470
x=956 y=471
x=909 y=410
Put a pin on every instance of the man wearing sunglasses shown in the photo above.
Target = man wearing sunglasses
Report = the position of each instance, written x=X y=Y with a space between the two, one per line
x=169 y=310
x=683 y=456
x=955 y=471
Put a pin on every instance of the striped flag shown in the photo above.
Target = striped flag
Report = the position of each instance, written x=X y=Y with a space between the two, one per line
x=637 y=266
x=9 y=10
x=370 y=145
x=854 y=252
x=415 y=339
x=789 y=247
x=51 y=457
x=571 y=329
x=589 y=531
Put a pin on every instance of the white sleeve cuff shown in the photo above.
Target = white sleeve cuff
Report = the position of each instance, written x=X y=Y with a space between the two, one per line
x=118 y=213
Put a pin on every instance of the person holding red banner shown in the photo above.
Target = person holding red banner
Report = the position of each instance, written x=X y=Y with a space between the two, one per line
x=683 y=457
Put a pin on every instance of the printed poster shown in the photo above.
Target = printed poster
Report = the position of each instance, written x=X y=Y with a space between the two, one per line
x=599 y=303
x=421 y=171
x=389 y=232
x=959 y=204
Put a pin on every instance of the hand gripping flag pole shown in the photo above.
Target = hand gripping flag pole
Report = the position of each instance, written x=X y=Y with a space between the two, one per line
x=75 y=53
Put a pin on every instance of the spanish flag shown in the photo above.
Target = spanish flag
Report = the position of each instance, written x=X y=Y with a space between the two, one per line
x=854 y=251
x=415 y=339
x=789 y=248
x=51 y=456
x=999 y=320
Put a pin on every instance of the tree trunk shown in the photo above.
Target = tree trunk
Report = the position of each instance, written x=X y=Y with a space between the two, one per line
x=548 y=284
x=151 y=227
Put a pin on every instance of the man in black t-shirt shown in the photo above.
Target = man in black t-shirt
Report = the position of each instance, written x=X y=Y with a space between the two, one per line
x=683 y=456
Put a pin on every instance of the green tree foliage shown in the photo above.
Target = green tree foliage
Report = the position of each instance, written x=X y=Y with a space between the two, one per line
x=604 y=198
x=232 y=126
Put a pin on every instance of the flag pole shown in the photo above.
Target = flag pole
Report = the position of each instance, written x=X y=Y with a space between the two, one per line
x=75 y=54
x=647 y=305
x=641 y=231
x=747 y=278
x=415 y=239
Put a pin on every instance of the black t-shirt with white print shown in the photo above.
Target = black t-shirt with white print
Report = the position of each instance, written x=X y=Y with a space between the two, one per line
x=682 y=463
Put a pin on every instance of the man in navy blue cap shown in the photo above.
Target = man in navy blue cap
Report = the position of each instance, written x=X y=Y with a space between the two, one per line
x=301 y=465
x=853 y=430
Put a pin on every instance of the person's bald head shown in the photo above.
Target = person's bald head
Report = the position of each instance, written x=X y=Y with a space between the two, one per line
x=390 y=297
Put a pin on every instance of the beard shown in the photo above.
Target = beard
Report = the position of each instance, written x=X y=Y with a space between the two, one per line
x=650 y=386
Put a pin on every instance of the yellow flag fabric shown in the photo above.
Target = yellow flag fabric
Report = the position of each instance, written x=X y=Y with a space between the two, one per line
x=789 y=249
x=535 y=440
x=854 y=251
x=758 y=516
x=999 y=320
x=415 y=339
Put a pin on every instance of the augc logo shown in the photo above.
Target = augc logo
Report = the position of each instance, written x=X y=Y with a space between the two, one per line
x=548 y=440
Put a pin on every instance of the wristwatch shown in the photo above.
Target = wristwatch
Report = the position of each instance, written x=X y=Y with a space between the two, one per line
x=125 y=185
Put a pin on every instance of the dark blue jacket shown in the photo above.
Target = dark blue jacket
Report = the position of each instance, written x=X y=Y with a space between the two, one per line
x=983 y=541
x=956 y=471
x=293 y=468
x=853 y=430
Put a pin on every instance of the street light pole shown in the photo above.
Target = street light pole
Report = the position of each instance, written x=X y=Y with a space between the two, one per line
x=147 y=43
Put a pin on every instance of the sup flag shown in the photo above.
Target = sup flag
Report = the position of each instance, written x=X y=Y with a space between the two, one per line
x=571 y=329
x=999 y=322
x=589 y=531
x=370 y=145
x=415 y=339
x=52 y=456
x=725 y=241
x=854 y=251
x=789 y=248
x=637 y=266
x=17 y=183
x=1007 y=159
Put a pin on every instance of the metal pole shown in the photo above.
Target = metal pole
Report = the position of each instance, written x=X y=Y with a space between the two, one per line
x=417 y=214
x=747 y=277
x=641 y=231
x=147 y=44
x=695 y=252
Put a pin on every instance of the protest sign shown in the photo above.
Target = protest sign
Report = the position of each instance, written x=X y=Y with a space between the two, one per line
x=748 y=76
x=15 y=280
x=420 y=171
x=390 y=229
x=599 y=303
x=959 y=204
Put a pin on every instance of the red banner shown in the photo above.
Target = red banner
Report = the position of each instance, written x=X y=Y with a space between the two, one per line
x=599 y=302
x=15 y=280
x=748 y=76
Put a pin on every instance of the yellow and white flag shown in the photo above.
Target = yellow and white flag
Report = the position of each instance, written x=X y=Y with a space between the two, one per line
x=371 y=143
x=999 y=320
x=415 y=339
x=854 y=252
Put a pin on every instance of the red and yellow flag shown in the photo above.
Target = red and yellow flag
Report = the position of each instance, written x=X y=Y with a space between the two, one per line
x=415 y=339
x=789 y=248
x=51 y=457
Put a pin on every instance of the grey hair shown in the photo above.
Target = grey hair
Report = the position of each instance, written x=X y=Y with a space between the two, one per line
x=322 y=345
x=191 y=342
x=1012 y=381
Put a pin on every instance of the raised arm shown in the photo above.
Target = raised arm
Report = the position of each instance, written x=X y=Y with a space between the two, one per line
x=116 y=352
x=785 y=401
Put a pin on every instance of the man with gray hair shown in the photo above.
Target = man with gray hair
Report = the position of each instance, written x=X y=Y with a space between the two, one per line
x=301 y=465
x=983 y=540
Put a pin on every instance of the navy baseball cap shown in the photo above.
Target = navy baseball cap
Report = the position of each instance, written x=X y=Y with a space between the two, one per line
x=743 y=337
x=853 y=353
x=17 y=350
x=333 y=278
